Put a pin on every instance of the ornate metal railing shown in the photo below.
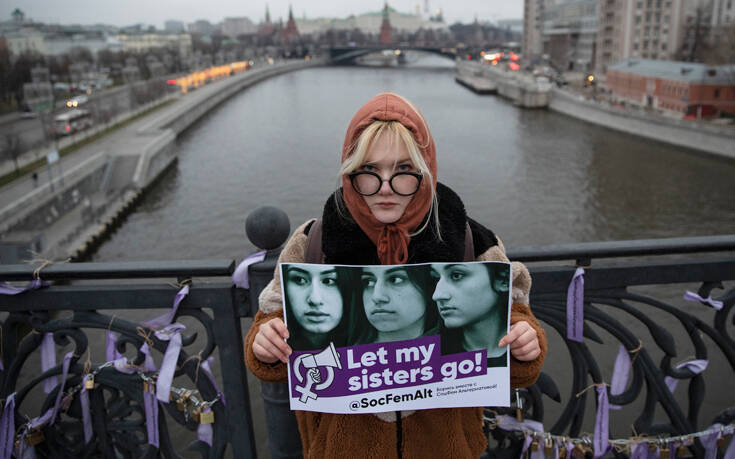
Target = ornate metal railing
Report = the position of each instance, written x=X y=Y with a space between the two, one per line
x=85 y=299
x=614 y=308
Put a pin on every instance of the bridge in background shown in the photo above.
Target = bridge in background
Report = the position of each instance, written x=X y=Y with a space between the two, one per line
x=348 y=54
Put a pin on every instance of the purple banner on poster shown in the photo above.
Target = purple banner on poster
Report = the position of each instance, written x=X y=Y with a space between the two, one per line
x=354 y=370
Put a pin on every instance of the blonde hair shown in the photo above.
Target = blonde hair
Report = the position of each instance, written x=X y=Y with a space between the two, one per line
x=396 y=132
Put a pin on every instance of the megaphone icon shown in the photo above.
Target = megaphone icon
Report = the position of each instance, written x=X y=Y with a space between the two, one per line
x=329 y=359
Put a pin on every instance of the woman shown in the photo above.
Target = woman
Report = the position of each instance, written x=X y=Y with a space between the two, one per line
x=391 y=210
x=395 y=303
x=467 y=297
x=316 y=300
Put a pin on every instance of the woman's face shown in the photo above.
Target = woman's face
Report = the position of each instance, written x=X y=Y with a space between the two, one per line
x=385 y=157
x=464 y=293
x=392 y=302
x=314 y=297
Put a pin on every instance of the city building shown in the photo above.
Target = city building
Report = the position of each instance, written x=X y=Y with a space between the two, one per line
x=678 y=89
x=723 y=12
x=532 y=45
x=172 y=26
x=648 y=29
x=202 y=27
x=66 y=39
x=233 y=27
x=568 y=34
x=141 y=42
x=25 y=41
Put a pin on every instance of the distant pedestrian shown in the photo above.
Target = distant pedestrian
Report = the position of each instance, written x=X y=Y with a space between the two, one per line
x=34 y=176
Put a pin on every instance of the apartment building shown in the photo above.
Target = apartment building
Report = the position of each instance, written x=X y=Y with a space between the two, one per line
x=532 y=45
x=648 y=29
x=569 y=33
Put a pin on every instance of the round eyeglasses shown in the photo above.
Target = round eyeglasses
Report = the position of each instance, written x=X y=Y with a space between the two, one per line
x=369 y=183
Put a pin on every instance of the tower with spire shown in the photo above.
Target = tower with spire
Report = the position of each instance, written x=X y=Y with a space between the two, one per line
x=385 y=30
x=291 y=32
x=266 y=28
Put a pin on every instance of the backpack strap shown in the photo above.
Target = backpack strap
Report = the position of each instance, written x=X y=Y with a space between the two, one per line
x=314 y=252
x=469 y=244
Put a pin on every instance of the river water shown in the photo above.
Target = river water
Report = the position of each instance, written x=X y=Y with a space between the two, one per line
x=533 y=176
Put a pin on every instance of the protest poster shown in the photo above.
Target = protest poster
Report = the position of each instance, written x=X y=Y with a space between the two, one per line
x=369 y=339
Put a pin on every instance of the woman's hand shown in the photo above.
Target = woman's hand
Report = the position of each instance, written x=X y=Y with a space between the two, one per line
x=269 y=344
x=523 y=341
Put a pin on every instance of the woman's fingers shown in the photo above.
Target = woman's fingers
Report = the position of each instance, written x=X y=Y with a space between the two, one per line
x=269 y=344
x=523 y=341
x=516 y=330
x=528 y=352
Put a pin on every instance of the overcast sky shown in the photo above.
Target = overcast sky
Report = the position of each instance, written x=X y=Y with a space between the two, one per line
x=155 y=12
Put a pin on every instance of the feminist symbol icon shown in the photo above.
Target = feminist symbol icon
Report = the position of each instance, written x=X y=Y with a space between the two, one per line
x=328 y=358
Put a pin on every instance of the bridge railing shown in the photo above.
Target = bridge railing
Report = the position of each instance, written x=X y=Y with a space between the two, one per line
x=88 y=303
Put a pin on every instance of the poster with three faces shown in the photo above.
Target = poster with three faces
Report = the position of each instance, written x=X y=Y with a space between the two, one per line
x=369 y=339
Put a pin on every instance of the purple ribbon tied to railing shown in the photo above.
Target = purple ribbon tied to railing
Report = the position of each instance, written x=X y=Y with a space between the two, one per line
x=575 y=307
x=86 y=415
x=161 y=321
x=151 y=416
x=710 y=441
x=241 y=277
x=7 y=289
x=48 y=361
x=621 y=370
x=691 y=296
x=64 y=373
x=206 y=366
x=204 y=431
x=110 y=349
x=172 y=334
x=7 y=428
x=695 y=366
x=640 y=451
x=601 y=440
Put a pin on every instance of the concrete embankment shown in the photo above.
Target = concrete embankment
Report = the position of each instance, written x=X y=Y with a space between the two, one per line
x=523 y=90
x=690 y=134
x=472 y=76
x=99 y=192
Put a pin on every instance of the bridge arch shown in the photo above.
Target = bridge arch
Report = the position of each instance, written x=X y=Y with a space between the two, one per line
x=348 y=54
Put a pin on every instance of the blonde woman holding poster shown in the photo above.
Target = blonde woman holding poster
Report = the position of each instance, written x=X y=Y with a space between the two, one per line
x=390 y=210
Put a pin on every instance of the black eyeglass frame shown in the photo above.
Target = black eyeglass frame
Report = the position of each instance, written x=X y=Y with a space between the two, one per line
x=353 y=175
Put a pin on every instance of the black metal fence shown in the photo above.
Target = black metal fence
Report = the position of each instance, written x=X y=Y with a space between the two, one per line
x=83 y=300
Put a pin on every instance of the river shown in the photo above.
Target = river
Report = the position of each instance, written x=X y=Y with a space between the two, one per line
x=533 y=176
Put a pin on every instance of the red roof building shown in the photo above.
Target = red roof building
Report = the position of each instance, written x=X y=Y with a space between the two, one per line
x=679 y=89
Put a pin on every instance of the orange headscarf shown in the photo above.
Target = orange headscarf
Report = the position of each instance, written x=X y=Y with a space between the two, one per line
x=391 y=239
